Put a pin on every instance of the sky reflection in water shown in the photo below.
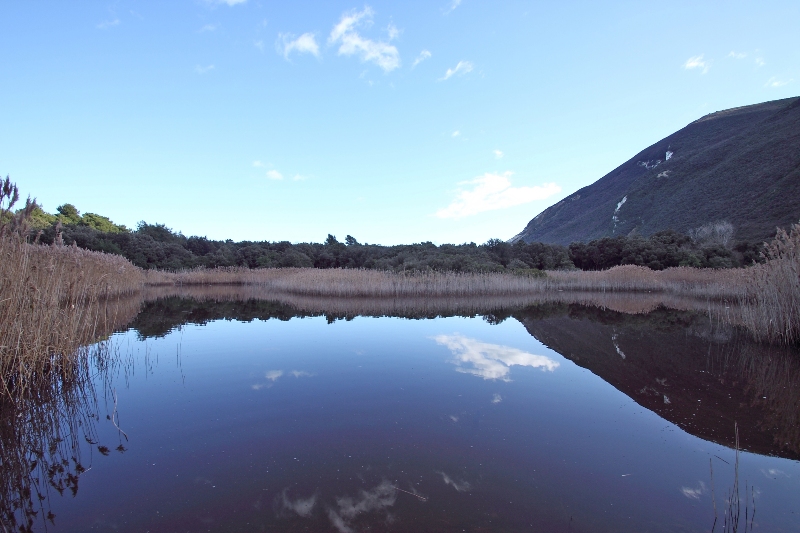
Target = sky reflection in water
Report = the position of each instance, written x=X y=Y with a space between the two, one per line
x=363 y=425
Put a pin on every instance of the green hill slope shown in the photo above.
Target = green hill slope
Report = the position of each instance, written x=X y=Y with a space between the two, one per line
x=741 y=165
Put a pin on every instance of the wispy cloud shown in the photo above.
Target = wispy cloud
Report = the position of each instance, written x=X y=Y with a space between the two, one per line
x=273 y=375
x=493 y=191
x=497 y=398
x=498 y=154
x=351 y=42
x=760 y=62
x=207 y=28
x=697 y=62
x=455 y=134
x=305 y=44
x=460 y=486
x=259 y=45
x=349 y=508
x=775 y=82
x=737 y=55
x=302 y=506
x=451 y=6
x=258 y=164
x=227 y=2
x=108 y=24
x=299 y=177
x=490 y=361
x=421 y=57
x=274 y=175
x=200 y=69
x=462 y=68
x=694 y=493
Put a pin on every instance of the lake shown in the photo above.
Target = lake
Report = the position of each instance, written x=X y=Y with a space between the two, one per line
x=234 y=414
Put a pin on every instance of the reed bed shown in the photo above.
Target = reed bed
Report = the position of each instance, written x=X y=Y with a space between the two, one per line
x=765 y=299
x=425 y=306
x=54 y=300
x=352 y=283
x=771 y=310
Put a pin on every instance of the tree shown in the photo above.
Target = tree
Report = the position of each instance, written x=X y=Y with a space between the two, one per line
x=69 y=214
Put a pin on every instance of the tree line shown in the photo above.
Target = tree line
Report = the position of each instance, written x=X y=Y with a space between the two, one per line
x=155 y=246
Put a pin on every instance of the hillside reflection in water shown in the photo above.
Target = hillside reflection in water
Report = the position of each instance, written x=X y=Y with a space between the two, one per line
x=255 y=415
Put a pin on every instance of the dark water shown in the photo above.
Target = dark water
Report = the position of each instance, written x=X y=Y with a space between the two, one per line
x=244 y=417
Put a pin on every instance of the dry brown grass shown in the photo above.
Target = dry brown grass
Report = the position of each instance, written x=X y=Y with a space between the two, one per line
x=771 y=310
x=52 y=301
x=351 y=283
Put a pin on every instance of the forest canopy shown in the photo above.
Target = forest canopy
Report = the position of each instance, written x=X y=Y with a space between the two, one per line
x=155 y=246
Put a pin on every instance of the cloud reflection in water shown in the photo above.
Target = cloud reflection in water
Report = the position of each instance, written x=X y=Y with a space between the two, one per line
x=302 y=506
x=377 y=499
x=490 y=361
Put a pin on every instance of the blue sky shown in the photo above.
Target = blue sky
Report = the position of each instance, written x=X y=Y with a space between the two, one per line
x=448 y=121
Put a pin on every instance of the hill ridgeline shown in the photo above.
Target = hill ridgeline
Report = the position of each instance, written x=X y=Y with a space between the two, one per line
x=740 y=167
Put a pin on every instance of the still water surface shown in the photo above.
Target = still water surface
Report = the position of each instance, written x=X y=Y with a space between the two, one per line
x=563 y=419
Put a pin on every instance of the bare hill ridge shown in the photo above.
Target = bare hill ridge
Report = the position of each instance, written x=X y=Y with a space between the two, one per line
x=741 y=165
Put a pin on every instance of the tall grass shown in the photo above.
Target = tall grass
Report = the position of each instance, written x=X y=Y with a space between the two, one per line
x=771 y=310
x=53 y=299
x=349 y=283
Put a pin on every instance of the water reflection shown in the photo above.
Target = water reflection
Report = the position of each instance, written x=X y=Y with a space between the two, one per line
x=374 y=501
x=701 y=375
x=690 y=369
x=681 y=358
x=490 y=361
x=47 y=439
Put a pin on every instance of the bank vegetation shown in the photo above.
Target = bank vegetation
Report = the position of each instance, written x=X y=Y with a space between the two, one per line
x=55 y=298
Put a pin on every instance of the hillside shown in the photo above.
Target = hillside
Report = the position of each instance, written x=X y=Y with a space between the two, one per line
x=740 y=165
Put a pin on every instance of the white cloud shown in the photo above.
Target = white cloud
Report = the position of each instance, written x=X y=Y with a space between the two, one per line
x=303 y=507
x=453 y=4
x=460 y=486
x=258 y=164
x=273 y=375
x=775 y=82
x=203 y=69
x=301 y=374
x=207 y=27
x=497 y=398
x=737 y=55
x=274 y=175
x=421 y=57
x=305 y=44
x=760 y=62
x=227 y=2
x=455 y=134
x=351 y=42
x=694 y=493
x=697 y=62
x=462 y=68
x=299 y=177
x=774 y=473
x=490 y=361
x=259 y=45
x=378 y=499
x=491 y=192
x=108 y=24
x=498 y=154
x=392 y=31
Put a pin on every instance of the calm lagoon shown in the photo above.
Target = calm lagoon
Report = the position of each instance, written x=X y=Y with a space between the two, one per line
x=556 y=418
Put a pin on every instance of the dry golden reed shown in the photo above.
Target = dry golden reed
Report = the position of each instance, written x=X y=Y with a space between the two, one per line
x=52 y=301
x=771 y=310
